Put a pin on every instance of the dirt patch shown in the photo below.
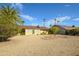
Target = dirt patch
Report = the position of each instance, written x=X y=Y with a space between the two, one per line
x=40 y=45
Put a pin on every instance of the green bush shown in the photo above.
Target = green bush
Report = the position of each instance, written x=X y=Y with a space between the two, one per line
x=22 y=31
x=56 y=30
x=74 y=32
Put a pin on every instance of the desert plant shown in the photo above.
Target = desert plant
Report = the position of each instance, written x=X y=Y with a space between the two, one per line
x=9 y=21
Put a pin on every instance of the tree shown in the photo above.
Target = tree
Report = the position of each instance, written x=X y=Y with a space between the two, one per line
x=56 y=21
x=44 y=20
x=9 y=22
x=73 y=25
x=23 y=22
x=50 y=25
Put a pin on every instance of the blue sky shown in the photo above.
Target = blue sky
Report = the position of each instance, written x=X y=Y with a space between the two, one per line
x=33 y=14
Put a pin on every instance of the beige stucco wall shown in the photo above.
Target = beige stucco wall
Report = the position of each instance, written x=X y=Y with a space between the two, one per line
x=30 y=32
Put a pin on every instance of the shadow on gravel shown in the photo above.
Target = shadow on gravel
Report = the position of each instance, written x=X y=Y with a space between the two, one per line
x=5 y=40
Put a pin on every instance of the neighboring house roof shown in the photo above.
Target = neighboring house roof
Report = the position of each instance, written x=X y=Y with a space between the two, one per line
x=34 y=27
x=66 y=27
x=69 y=27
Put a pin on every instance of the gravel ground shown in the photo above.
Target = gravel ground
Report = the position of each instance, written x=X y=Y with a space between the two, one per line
x=40 y=45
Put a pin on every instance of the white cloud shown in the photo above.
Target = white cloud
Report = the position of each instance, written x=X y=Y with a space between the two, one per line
x=60 y=19
x=17 y=6
x=63 y=18
x=30 y=18
x=76 y=19
x=50 y=21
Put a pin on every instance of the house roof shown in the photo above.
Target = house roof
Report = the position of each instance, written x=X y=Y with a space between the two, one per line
x=34 y=27
x=65 y=27
x=69 y=27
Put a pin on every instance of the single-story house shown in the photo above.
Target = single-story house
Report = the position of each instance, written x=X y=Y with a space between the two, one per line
x=29 y=30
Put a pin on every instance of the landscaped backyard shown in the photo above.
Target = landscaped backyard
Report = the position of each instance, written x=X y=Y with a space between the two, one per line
x=40 y=45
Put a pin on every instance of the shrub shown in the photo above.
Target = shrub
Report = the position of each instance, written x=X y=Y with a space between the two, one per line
x=72 y=32
x=22 y=31
x=56 y=30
